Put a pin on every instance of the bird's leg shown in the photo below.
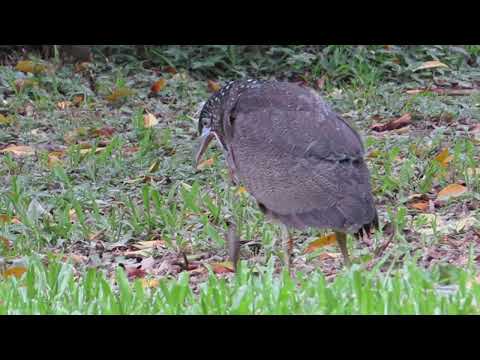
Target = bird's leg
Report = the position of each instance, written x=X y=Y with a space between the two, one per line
x=342 y=244
x=287 y=244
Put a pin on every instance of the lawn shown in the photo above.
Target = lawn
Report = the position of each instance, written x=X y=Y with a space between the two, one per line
x=103 y=212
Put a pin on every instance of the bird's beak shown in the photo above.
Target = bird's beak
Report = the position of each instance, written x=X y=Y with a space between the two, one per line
x=205 y=138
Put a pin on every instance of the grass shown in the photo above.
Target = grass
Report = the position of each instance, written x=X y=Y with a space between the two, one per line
x=105 y=210
x=409 y=290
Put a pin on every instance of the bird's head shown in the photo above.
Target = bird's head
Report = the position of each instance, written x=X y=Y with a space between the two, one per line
x=209 y=126
x=210 y=122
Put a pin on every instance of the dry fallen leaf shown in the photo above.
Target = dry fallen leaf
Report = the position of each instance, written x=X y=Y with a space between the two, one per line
x=240 y=190
x=88 y=151
x=6 y=120
x=206 y=163
x=119 y=94
x=142 y=245
x=398 y=123
x=154 y=167
x=21 y=84
x=106 y=132
x=55 y=158
x=430 y=65
x=16 y=271
x=19 y=150
x=77 y=99
x=28 y=66
x=158 y=86
x=223 y=267
x=444 y=158
x=452 y=190
x=443 y=91
x=62 y=105
x=322 y=241
x=150 y=283
x=213 y=86
x=421 y=205
x=82 y=66
x=170 y=70
x=149 y=120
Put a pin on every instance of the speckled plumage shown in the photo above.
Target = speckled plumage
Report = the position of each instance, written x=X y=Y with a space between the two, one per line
x=299 y=159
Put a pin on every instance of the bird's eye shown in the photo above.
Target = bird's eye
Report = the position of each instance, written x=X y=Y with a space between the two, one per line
x=205 y=122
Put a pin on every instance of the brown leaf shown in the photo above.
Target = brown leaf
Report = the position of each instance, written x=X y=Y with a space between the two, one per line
x=131 y=149
x=106 y=131
x=62 y=105
x=119 y=94
x=149 y=120
x=170 y=70
x=82 y=66
x=322 y=241
x=430 y=65
x=452 y=190
x=213 y=86
x=21 y=84
x=158 y=86
x=444 y=158
x=19 y=150
x=55 y=158
x=223 y=267
x=28 y=66
x=321 y=82
x=398 y=123
x=16 y=271
x=420 y=205
x=205 y=163
x=134 y=272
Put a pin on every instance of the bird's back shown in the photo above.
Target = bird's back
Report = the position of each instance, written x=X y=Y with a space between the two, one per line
x=298 y=158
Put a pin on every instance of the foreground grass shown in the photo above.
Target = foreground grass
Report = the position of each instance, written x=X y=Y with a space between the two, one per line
x=409 y=290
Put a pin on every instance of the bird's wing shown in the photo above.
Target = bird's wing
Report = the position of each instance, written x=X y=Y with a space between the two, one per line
x=301 y=161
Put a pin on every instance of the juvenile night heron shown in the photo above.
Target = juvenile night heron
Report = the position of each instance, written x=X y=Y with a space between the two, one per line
x=299 y=159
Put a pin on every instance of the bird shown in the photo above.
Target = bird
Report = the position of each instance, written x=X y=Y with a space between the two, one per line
x=299 y=159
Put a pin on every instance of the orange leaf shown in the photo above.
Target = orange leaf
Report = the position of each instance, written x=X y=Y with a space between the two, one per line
x=421 y=205
x=452 y=190
x=106 y=131
x=158 y=86
x=149 y=120
x=170 y=70
x=149 y=283
x=322 y=241
x=16 y=271
x=241 y=190
x=119 y=93
x=19 y=150
x=223 y=267
x=213 y=86
x=444 y=158
x=206 y=163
